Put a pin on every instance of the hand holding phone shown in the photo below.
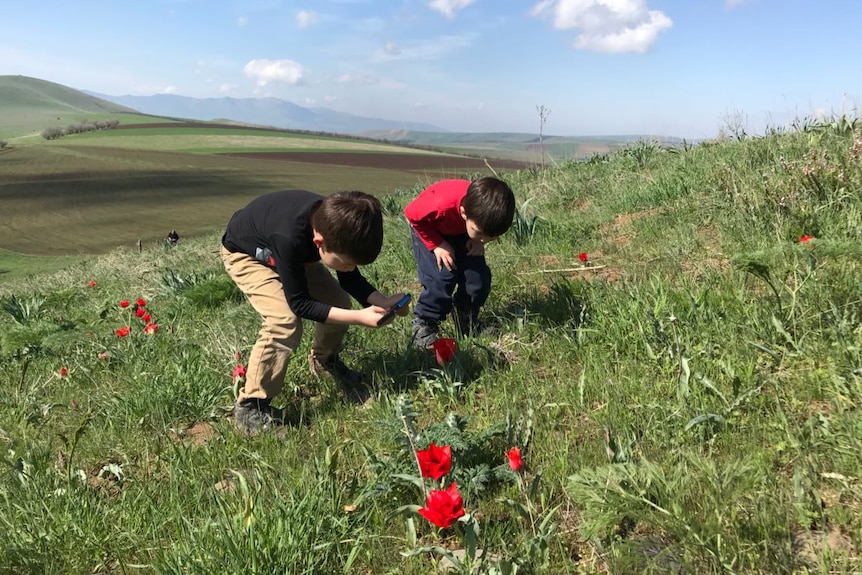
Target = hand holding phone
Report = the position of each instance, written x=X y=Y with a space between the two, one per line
x=390 y=313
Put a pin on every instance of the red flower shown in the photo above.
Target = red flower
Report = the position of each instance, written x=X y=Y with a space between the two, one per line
x=124 y=304
x=515 y=461
x=445 y=348
x=238 y=373
x=124 y=331
x=63 y=371
x=140 y=312
x=238 y=356
x=583 y=257
x=92 y=283
x=141 y=302
x=443 y=507
x=146 y=317
x=151 y=328
x=435 y=462
x=804 y=239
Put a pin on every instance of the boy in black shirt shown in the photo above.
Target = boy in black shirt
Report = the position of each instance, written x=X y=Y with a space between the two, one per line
x=273 y=249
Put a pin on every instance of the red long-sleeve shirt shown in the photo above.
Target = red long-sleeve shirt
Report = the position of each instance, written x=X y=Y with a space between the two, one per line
x=436 y=212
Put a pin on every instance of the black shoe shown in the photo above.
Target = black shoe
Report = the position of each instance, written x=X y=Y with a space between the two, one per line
x=253 y=416
x=334 y=368
x=425 y=333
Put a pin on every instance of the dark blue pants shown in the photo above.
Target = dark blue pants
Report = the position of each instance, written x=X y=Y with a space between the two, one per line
x=471 y=277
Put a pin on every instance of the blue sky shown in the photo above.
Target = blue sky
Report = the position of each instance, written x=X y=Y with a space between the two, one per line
x=661 y=67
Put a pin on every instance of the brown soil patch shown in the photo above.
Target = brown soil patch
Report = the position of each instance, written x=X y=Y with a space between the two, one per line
x=197 y=434
x=381 y=160
x=623 y=220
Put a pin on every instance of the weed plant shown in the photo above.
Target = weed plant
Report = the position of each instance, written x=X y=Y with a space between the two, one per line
x=693 y=394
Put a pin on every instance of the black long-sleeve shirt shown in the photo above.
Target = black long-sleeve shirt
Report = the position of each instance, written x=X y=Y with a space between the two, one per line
x=276 y=229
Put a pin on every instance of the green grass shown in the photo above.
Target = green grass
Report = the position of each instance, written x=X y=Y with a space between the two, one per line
x=690 y=396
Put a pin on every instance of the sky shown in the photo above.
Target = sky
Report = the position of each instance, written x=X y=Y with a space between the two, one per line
x=684 y=68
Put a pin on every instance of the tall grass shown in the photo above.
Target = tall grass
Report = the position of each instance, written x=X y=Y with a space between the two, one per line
x=692 y=395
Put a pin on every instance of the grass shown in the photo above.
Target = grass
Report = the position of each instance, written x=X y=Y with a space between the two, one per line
x=690 y=404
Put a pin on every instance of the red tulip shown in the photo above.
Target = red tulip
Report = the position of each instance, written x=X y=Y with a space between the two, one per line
x=140 y=312
x=583 y=257
x=435 y=462
x=515 y=461
x=238 y=373
x=124 y=331
x=146 y=317
x=804 y=239
x=124 y=304
x=92 y=283
x=443 y=507
x=63 y=371
x=151 y=328
x=445 y=349
x=141 y=302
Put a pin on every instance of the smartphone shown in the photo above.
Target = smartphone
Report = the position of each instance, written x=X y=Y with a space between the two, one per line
x=394 y=309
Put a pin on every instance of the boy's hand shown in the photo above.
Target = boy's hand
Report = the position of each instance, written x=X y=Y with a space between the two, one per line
x=445 y=256
x=392 y=300
x=369 y=316
x=475 y=248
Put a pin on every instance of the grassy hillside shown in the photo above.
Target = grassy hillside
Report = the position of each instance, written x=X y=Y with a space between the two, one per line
x=686 y=400
x=30 y=105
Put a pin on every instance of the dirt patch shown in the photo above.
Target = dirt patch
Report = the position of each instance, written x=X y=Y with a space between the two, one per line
x=197 y=434
x=380 y=160
x=624 y=220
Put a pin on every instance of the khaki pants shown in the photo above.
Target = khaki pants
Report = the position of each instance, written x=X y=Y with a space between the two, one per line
x=281 y=329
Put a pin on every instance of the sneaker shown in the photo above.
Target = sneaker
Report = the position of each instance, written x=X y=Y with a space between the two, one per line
x=333 y=367
x=425 y=333
x=253 y=416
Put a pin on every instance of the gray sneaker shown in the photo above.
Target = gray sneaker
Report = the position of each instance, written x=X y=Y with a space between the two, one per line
x=336 y=369
x=425 y=333
x=253 y=416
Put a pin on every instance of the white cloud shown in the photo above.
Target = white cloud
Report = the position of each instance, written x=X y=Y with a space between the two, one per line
x=309 y=101
x=226 y=88
x=330 y=99
x=305 y=18
x=168 y=90
x=357 y=79
x=266 y=71
x=241 y=21
x=729 y=4
x=432 y=49
x=392 y=48
x=606 y=25
x=449 y=7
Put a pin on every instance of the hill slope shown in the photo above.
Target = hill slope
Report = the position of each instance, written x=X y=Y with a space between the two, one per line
x=29 y=105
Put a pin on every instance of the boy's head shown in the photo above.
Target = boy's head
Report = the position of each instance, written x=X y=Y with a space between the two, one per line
x=348 y=229
x=490 y=206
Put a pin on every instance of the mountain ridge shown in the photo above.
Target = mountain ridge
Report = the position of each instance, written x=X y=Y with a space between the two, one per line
x=273 y=112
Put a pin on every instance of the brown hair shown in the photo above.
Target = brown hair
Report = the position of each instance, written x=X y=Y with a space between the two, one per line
x=491 y=204
x=351 y=224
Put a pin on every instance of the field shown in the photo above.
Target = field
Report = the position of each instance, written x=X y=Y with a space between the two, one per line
x=677 y=354
x=92 y=192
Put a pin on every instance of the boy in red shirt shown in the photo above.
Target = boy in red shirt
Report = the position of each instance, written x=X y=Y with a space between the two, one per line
x=451 y=221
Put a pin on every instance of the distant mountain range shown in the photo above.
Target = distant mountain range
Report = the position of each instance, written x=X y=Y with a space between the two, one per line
x=261 y=111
